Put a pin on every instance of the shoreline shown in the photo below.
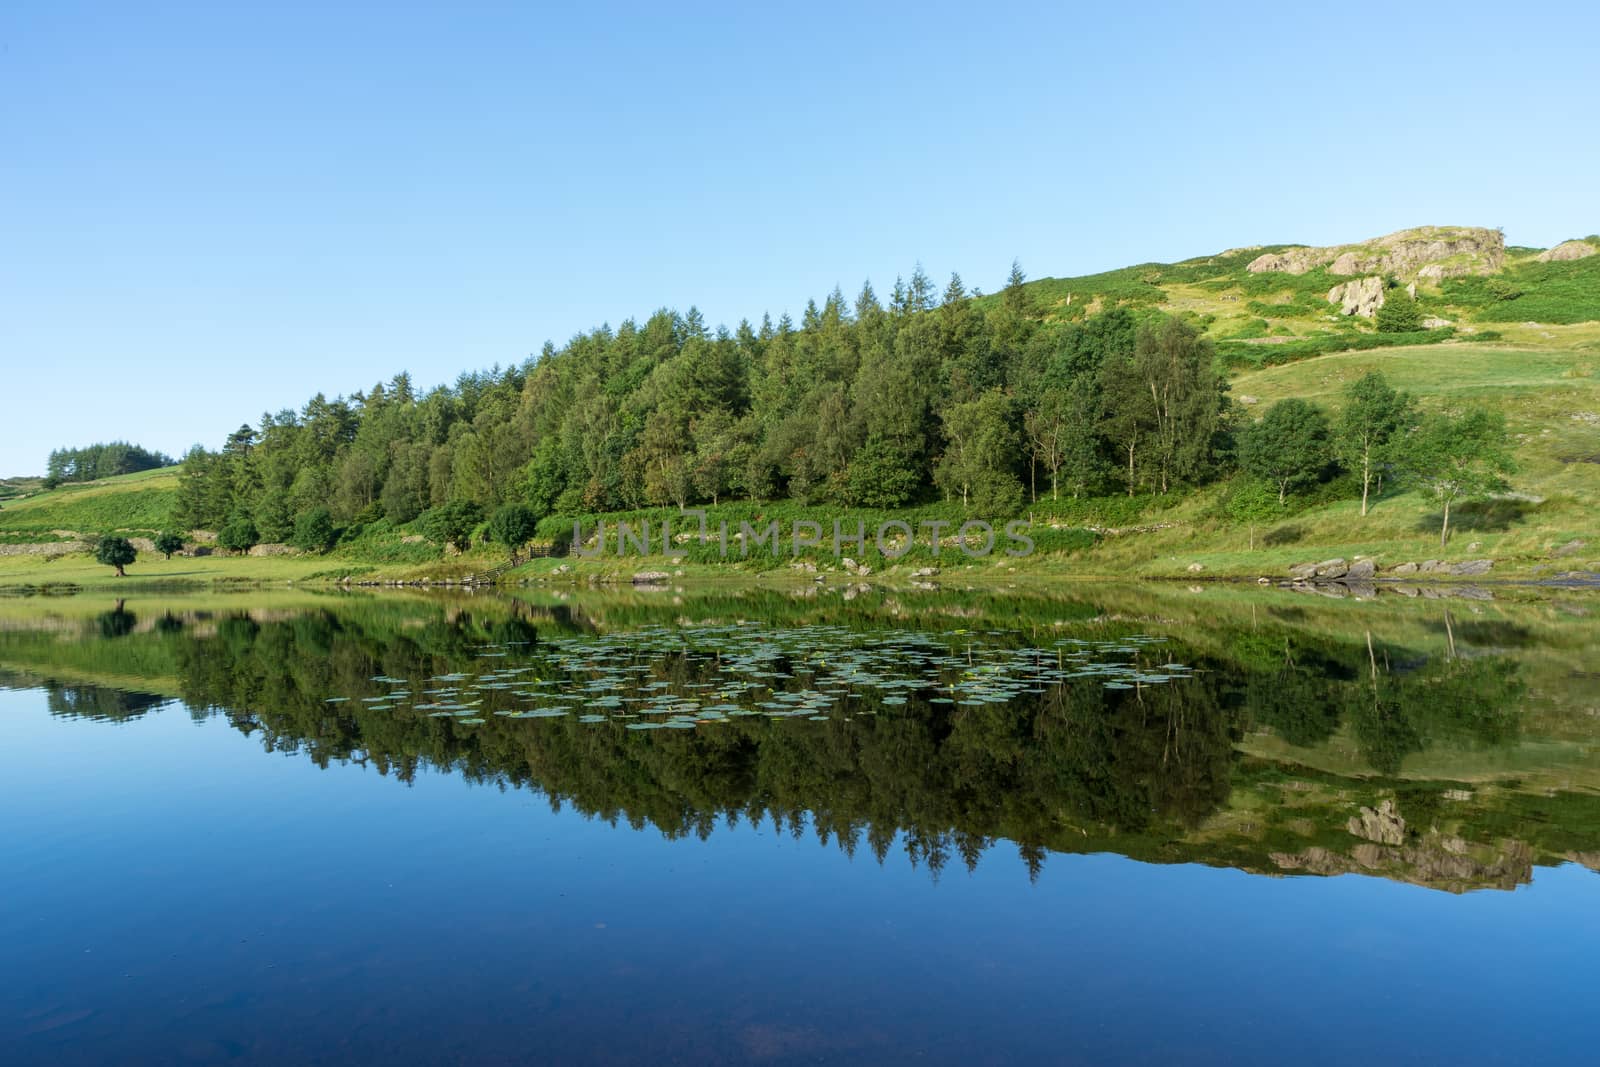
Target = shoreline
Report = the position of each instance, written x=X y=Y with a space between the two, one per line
x=186 y=575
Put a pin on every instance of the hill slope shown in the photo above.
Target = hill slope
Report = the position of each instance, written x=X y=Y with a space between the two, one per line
x=1271 y=303
x=1516 y=329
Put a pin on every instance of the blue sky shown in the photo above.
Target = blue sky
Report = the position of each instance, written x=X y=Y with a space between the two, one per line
x=212 y=210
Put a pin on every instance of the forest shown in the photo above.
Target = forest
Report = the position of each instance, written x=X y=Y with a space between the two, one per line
x=100 y=461
x=983 y=401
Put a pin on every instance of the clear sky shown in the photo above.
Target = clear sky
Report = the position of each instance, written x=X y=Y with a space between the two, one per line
x=211 y=210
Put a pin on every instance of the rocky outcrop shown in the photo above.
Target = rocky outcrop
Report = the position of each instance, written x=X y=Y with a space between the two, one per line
x=1289 y=261
x=1426 y=252
x=1567 y=250
x=1363 y=297
x=1436 y=861
x=1383 y=824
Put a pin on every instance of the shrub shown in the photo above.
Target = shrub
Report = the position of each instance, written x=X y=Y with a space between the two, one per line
x=513 y=525
x=168 y=542
x=451 y=523
x=239 y=535
x=314 y=531
x=1399 y=313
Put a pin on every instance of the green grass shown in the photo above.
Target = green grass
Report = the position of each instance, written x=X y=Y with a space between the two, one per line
x=1560 y=293
x=1551 y=399
x=142 y=501
x=1232 y=305
x=1542 y=375
x=1243 y=354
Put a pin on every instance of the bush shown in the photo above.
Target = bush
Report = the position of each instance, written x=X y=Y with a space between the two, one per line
x=1242 y=354
x=1251 y=500
x=314 y=531
x=239 y=535
x=168 y=542
x=1399 y=313
x=451 y=524
x=513 y=525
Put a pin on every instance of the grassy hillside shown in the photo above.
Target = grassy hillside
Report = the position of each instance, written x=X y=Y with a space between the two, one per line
x=11 y=488
x=1551 y=396
x=1520 y=335
x=1272 y=316
x=131 y=502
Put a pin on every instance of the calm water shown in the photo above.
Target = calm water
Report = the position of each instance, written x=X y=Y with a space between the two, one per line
x=1115 y=826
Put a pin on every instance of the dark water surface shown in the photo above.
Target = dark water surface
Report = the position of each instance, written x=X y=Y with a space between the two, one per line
x=911 y=826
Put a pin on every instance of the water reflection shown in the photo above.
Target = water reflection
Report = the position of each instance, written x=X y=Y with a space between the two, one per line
x=1268 y=737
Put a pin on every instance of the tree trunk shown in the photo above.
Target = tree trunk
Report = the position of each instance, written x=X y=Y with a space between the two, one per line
x=1444 y=530
x=1366 y=480
x=120 y=572
x=1130 y=470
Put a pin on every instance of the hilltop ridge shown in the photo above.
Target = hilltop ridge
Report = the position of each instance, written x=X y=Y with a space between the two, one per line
x=1423 y=252
x=1266 y=304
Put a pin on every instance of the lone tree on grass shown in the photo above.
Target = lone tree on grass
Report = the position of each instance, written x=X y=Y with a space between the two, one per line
x=115 y=552
x=1458 y=458
x=239 y=535
x=1374 y=418
x=168 y=542
x=513 y=525
x=1288 y=447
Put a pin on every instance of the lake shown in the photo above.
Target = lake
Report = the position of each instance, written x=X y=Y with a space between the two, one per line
x=781 y=826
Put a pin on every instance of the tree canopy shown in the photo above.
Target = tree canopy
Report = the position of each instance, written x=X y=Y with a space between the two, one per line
x=1458 y=457
x=1289 y=447
x=239 y=534
x=857 y=402
x=168 y=542
x=115 y=552
x=100 y=461
x=1373 y=420
x=513 y=525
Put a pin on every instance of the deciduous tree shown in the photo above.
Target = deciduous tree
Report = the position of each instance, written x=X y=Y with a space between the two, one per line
x=1373 y=419
x=1458 y=457
x=168 y=542
x=513 y=525
x=115 y=552
x=1289 y=447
